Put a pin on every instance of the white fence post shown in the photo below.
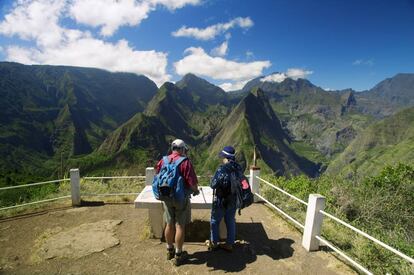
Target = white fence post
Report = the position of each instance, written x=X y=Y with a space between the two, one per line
x=75 y=187
x=313 y=223
x=155 y=213
x=149 y=175
x=254 y=182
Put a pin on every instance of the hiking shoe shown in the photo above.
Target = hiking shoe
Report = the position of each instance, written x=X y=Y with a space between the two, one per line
x=227 y=247
x=170 y=253
x=211 y=246
x=180 y=258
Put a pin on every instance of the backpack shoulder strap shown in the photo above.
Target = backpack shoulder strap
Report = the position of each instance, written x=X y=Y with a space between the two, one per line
x=178 y=161
x=165 y=161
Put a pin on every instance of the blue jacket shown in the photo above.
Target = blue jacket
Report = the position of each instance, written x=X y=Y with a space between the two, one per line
x=222 y=186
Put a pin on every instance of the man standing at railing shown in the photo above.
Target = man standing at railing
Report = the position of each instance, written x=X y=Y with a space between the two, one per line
x=177 y=213
x=224 y=202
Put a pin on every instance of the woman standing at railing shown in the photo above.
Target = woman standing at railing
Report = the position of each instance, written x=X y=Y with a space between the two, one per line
x=224 y=203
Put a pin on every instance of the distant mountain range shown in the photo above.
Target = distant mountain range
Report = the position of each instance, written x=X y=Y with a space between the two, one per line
x=55 y=117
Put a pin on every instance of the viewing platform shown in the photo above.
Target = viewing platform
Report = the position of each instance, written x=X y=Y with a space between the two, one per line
x=266 y=244
x=81 y=233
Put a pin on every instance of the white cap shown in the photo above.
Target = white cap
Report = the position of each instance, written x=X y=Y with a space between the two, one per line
x=179 y=143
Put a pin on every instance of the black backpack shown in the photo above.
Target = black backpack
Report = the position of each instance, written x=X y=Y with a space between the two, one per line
x=240 y=189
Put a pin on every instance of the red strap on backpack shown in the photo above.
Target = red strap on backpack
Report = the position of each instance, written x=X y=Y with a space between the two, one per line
x=245 y=184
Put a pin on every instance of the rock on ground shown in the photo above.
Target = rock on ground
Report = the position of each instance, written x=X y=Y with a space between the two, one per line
x=77 y=242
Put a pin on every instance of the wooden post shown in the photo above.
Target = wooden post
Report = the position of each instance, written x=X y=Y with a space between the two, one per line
x=254 y=182
x=75 y=187
x=313 y=223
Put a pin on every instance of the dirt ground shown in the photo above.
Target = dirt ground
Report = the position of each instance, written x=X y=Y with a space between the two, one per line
x=267 y=245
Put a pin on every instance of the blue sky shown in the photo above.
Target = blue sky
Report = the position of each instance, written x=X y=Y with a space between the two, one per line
x=335 y=44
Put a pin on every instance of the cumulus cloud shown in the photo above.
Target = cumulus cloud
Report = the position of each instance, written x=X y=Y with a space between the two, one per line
x=221 y=50
x=39 y=21
x=294 y=73
x=90 y=52
x=212 y=31
x=35 y=20
x=174 y=4
x=112 y=14
x=199 y=62
x=109 y=14
x=363 y=62
x=229 y=86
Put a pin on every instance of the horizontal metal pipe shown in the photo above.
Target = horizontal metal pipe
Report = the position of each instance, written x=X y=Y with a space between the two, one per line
x=32 y=184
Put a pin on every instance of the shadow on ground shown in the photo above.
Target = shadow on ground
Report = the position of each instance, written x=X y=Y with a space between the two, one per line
x=252 y=240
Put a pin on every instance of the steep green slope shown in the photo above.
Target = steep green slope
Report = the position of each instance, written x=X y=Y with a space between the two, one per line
x=320 y=123
x=172 y=113
x=59 y=112
x=386 y=142
x=133 y=146
x=253 y=123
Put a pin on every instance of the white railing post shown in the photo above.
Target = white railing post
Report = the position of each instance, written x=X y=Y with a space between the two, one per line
x=149 y=175
x=313 y=223
x=155 y=213
x=75 y=187
x=254 y=182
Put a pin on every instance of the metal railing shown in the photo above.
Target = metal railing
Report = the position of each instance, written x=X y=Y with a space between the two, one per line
x=281 y=211
x=384 y=245
x=319 y=238
x=68 y=196
x=31 y=185
x=114 y=177
x=283 y=191
x=86 y=194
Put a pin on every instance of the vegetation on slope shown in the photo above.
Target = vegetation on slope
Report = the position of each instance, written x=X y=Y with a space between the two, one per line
x=381 y=205
x=388 y=141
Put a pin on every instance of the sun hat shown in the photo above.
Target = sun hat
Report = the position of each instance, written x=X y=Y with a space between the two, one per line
x=228 y=152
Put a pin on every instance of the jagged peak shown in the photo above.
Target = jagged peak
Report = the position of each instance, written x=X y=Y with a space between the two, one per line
x=257 y=92
x=194 y=81
x=168 y=86
x=191 y=78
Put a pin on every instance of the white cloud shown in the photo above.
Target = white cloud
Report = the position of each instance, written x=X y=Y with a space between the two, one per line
x=174 y=4
x=212 y=31
x=112 y=14
x=199 y=62
x=294 y=73
x=363 y=62
x=109 y=14
x=278 y=77
x=35 y=20
x=38 y=21
x=90 y=52
x=221 y=50
x=228 y=86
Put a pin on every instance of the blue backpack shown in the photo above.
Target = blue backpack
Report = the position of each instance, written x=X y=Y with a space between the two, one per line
x=168 y=184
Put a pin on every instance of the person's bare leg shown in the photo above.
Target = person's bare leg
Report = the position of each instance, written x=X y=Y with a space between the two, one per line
x=179 y=237
x=169 y=234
